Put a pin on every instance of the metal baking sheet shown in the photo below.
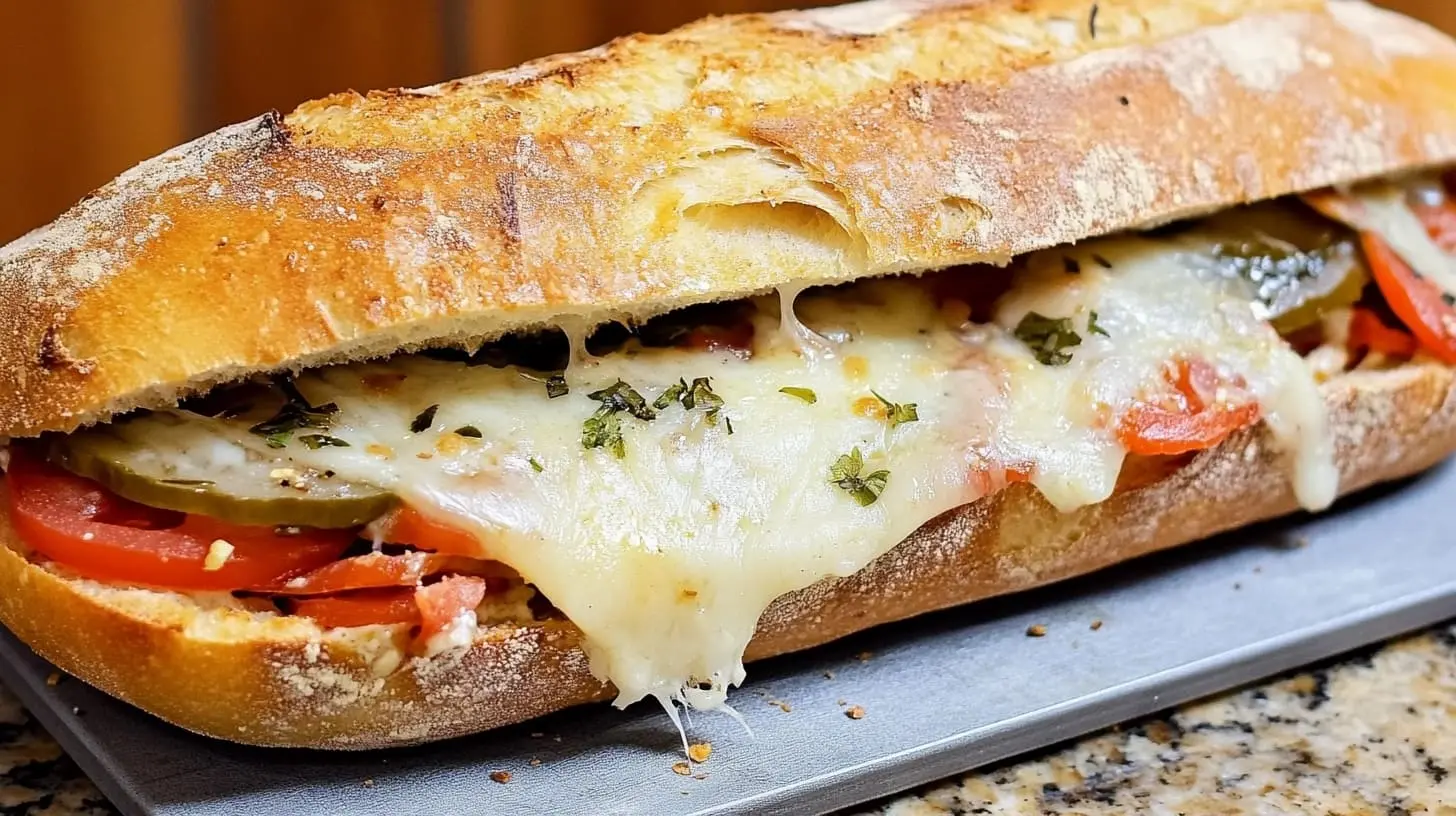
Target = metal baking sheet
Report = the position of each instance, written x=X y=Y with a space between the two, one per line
x=940 y=695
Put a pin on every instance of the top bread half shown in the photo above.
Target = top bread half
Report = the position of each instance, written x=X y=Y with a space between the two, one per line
x=728 y=157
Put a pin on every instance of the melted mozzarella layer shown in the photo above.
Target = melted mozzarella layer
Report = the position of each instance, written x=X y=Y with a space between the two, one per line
x=666 y=557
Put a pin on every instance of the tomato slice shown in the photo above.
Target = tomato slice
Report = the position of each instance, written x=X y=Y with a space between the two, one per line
x=360 y=608
x=369 y=571
x=1369 y=333
x=78 y=523
x=1418 y=302
x=378 y=570
x=1190 y=420
x=405 y=525
x=442 y=602
x=735 y=337
x=433 y=608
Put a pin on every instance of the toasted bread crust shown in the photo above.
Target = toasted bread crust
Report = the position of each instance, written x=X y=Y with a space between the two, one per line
x=281 y=681
x=731 y=156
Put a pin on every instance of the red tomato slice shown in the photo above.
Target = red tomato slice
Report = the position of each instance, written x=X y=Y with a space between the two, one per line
x=1417 y=301
x=442 y=602
x=736 y=337
x=1369 y=332
x=1188 y=422
x=405 y=525
x=78 y=523
x=361 y=608
x=369 y=571
x=378 y=570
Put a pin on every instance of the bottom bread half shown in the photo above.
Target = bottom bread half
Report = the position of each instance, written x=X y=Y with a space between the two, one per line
x=275 y=680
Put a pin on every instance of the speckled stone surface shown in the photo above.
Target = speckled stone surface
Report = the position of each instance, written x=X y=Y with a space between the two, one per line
x=1371 y=734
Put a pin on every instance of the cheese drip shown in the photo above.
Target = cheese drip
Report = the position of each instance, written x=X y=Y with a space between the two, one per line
x=666 y=557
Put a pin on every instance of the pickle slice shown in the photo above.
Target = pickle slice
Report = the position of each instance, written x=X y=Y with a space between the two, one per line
x=213 y=469
x=1297 y=265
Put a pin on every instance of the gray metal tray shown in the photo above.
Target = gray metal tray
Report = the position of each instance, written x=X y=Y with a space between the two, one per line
x=940 y=695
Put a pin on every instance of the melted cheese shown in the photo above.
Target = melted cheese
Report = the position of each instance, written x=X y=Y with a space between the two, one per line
x=666 y=557
x=1155 y=305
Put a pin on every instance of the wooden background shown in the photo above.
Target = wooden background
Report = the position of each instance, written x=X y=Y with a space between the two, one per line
x=91 y=87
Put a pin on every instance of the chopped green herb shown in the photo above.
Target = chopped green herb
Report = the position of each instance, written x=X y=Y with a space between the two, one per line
x=845 y=472
x=316 y=441
x=619 y=396
x=697 y=395
x=535 y=465
x=1101 y=261
x=296 y=414
x=805 y=394
x=604 y=430
x=898 y=414
x=425 y=419
x=673 y=393
x=468 y=431
x=1048 y=337
x=701 y=395
x=1093 y=326
x=555 y=384
x=728 y=423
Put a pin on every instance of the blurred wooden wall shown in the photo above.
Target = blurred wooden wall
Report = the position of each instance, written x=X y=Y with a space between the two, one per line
x=90 y=87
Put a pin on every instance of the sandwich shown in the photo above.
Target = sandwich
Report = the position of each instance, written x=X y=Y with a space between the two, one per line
x=416 y=413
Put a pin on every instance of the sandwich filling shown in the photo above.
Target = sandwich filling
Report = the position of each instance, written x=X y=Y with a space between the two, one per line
x=661 y=485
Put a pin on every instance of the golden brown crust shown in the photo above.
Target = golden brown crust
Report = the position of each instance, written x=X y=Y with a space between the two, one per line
x=270 y=680
x=728 y=157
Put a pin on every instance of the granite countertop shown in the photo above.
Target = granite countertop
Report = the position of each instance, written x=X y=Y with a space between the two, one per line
x=1372 y=733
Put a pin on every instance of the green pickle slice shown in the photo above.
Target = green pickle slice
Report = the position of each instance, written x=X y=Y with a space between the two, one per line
x=214 y=469
x=1297 y=265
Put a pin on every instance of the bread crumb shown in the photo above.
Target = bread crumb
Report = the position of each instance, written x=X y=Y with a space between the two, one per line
x=217 y=555
x=535 y=762
x=700 y=776
x=1036 y=630
x=500 y=776
x=681 y=768
x=841 y=702
x=864 y=656
x=76 y=710
x=369 y=782
x=782 y=706
x=700 y=751
x=829 y=675
x=537 y=734
x=53 y=679
x=855 y=713
x=1096 y=624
